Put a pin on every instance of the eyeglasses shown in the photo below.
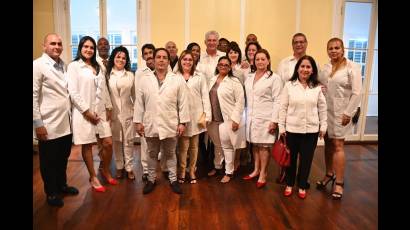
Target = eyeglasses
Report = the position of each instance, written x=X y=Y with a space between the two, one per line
x=223 y=65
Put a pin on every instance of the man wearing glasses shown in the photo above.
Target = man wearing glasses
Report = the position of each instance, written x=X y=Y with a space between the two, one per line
x=287 y=65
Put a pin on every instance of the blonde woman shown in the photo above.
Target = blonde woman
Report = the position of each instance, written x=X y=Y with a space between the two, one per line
x=198 y=105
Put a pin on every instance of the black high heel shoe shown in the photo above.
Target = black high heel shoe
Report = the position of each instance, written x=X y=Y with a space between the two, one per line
x=338 y=195
x=322 y=184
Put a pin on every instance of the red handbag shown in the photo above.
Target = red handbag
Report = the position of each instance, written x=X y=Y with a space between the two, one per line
x=281 y=153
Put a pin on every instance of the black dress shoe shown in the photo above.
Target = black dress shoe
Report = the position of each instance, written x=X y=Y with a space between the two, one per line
x=55 y=201
x=148 y=187
x=175 y=187
x=69 y=190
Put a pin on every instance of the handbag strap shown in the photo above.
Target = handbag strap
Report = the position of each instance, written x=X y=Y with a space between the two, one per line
x=283 y=138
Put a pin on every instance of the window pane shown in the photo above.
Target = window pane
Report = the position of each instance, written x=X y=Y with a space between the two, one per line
x=122 y=26
x=372 y=114
x=84 y=21
x=356 y=33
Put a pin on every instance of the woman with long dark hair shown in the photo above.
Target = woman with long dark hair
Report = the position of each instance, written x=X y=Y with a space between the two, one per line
x=88 y=88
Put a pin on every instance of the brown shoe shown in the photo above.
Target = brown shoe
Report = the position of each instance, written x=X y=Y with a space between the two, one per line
x=119 y=174
x=131 y=175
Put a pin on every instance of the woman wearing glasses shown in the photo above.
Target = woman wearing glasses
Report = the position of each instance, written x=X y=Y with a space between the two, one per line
x=87 y=85
x=226 y=129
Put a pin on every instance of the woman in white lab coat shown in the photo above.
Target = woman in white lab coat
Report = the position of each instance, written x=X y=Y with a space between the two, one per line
x=199 y=108
x=234 y=54
x=302 y=118
x=342 y=87
x=120 y=81
x=262 y=93
x=227 y=128
x=248 y=65
x=88 y=88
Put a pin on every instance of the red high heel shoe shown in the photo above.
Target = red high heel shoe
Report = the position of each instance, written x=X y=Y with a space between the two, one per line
x=95 y=184
x=302 y=193
x=249 y=177
x=288 y=191
x=111 y=181
x=260 y=184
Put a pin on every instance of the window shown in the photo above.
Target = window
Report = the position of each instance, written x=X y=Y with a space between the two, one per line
x=358 y=29
x=120 y=26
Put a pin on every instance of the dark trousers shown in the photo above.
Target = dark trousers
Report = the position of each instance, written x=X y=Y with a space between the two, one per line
x=305 y=145
x=53 y=163
x=206 y=155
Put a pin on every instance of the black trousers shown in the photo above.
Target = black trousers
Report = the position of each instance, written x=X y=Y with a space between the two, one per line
x=53 y=163
x=206 y=155
x=305 y=145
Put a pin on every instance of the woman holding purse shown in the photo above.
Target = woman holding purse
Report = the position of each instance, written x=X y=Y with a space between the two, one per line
x=262 y=93
x=302 y=118
x=200 y=113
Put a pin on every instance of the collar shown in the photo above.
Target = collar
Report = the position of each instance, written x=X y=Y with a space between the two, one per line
x=51 y=61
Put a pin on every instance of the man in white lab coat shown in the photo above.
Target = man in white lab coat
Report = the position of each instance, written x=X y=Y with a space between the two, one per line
x=147 y=51
x=287 y=65
x=161 y=112
x=51 y=119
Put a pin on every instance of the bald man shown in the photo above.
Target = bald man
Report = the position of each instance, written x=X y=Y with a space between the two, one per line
x=173 y=52
x=51 y=119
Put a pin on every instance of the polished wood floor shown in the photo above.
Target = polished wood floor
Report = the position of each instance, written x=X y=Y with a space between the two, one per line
x=212 y=205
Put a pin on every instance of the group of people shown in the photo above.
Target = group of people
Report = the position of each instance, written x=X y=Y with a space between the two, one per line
x=176 y=103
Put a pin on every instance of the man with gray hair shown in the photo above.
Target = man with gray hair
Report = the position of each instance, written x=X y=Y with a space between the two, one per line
x=209 y=59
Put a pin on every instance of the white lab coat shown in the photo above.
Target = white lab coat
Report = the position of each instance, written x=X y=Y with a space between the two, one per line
x=121 y=86
x=232 y=101
x=198 y=97
x=103 y=70
x=342 y=96
x=51 y=101
x=239 y=73
x=302 y=110
x=161 y=109
x=88 y=91
x=263 y=106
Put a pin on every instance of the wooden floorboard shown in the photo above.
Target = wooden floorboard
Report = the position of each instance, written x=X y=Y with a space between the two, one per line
x=212 y=205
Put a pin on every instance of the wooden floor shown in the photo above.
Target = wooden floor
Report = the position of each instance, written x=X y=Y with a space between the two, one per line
x=212 y=205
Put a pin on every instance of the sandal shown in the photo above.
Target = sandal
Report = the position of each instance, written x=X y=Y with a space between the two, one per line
x=192 y=181
x=226 y=178
x=131 y=175
x=323 y=183
x=181 y=180
x=338 y=195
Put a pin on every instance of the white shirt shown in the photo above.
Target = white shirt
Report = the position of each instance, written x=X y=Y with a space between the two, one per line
x=286 y=68
x=104 y=72
x=302 y=110
x=208 y=64
x=51 y=100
